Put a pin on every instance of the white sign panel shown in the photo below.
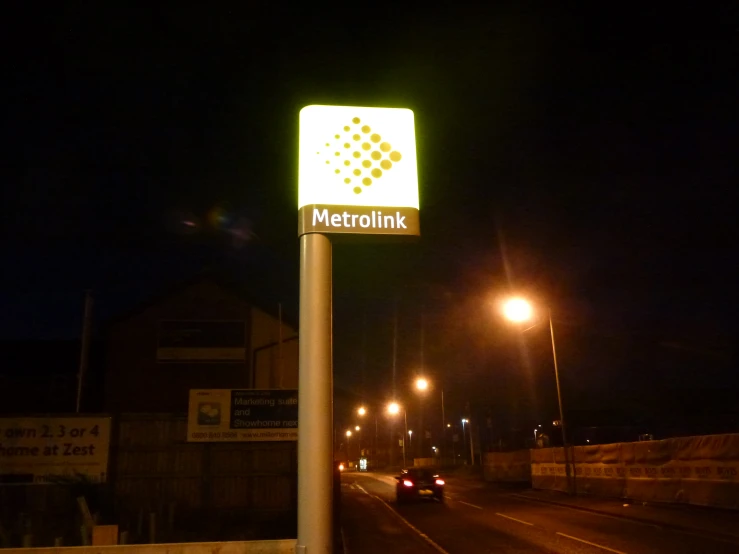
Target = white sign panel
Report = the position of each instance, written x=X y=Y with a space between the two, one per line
x=37 y=449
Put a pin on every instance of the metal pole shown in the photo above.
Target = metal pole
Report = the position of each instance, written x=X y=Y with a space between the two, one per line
x=472 y=444
x=421 y=432
x=405 y=418
x=315 y=398
x=559 y=400
x=374 y=457
x=464 y=438
x=443 y=422
x=84 y=347
x=279 y=348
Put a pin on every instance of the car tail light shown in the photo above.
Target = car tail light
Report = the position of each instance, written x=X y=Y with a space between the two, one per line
x=440 y=481
x=407 y=483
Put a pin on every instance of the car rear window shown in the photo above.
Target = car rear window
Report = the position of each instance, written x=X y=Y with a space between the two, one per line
x=421 y=473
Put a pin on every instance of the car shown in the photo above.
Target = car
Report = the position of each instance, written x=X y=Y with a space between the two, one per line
x=419 y=483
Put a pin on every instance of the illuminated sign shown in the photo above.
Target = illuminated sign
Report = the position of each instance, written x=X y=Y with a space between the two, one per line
x=357 y=171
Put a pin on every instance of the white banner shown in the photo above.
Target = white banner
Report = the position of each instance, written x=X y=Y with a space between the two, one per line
x=36 y=449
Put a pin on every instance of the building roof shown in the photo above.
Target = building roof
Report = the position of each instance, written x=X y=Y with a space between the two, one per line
x=260 y=293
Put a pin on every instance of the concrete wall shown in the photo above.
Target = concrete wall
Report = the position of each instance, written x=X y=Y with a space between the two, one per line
x=238 y=547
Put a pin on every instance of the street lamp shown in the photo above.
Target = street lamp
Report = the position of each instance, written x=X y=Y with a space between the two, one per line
x=394 y=409
x=361 y=412
x=520 y=310
x=356 y=428
x=348 y=433
x=410 y=438
x=472 y=444
x=422 y=386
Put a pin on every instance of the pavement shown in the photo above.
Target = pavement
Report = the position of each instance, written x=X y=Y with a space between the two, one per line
x=483 y=517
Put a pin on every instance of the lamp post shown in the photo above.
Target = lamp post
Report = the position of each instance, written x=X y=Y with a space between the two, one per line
x=464 y=434
x=394 y=409
x=361 y=412
x=348 y=454
x=421 y=386
x=519 y=310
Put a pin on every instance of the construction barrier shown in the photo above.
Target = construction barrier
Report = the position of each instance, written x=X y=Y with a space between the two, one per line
x=510 y=467
x=693 y=470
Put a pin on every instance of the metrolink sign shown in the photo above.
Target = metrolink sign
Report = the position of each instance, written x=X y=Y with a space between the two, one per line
x=356 y=176
x=357 y=171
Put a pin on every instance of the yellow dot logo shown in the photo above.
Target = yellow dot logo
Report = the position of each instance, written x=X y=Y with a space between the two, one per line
x=367 y=161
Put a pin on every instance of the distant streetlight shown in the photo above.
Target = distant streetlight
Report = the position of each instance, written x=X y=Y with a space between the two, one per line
x=393 y=408
x=422 y=384
x=356 y=428
x=520 y=310
x=362 y=410
x=448 y=424
x=348 y=433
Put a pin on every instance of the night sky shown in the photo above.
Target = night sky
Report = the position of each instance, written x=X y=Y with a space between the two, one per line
x=585 y=159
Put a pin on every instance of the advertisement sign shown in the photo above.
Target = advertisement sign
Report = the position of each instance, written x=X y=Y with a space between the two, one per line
x=357 y=171
x=201 y=341
x=37 y=449
x=221 y=415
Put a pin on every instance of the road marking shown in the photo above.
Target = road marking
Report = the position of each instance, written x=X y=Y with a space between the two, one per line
x=468 y=504
x=584 y=510
x=514 y=519
x=424 y=536
x=343 y=541
x=591 y=543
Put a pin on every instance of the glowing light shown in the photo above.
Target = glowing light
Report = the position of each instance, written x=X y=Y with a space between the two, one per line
x=385 y=138
x=393 y=408
x=422 y=384
x=517 y=309
x=361 y=411
x=348 y=433
x=356 y=428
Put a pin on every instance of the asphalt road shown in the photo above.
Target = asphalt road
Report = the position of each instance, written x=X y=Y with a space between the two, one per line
x=477 y=518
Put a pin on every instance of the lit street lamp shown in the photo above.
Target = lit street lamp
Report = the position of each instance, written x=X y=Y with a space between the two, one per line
x=361 y=412
x=348 y=433
x=519 y=310
x=422 y=386
x=394 y=409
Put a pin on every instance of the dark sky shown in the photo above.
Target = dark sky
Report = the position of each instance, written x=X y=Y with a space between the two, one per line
x=588 y=159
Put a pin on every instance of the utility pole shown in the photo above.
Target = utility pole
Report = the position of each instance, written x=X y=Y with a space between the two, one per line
x=84 y=346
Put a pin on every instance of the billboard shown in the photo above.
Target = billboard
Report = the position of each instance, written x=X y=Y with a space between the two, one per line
x=201 y=341
x=222 y=415
x=37 y=449
x=357 y=171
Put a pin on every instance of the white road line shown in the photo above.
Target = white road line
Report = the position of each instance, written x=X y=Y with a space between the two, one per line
x=408 y=523
x=343 y=542
x=514 y=519
x=468 y=504
x=591 y=543
x=586 y=511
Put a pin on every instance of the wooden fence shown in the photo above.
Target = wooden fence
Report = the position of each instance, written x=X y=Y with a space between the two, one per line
x=195 y=491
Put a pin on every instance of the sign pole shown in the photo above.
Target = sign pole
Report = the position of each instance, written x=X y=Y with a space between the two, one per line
x=315 y=398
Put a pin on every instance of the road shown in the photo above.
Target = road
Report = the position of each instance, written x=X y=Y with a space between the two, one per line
x=477 y=518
